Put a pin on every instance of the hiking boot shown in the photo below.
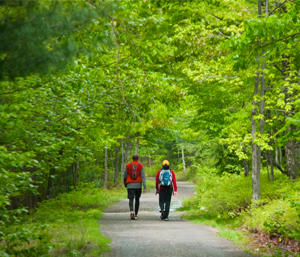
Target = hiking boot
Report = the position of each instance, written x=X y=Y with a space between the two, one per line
x=136 y=217
x=166 y=219
x=132 y=215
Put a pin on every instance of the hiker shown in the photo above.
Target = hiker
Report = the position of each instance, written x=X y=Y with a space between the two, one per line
x=165 y=183
x=134 y=176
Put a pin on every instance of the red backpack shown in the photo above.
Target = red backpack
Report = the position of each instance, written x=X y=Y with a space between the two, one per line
x=135 y=170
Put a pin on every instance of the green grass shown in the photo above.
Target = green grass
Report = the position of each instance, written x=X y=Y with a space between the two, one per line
x=235 y=236
x=69 y=224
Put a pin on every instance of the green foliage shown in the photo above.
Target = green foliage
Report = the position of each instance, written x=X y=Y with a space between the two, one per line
x=64 y=226
x=27 y=241
x=277 y=214
x=41 y=35
x=152 y=172
x=80 y=77
x=54 y=127
x=227 y=200
x=222 y=196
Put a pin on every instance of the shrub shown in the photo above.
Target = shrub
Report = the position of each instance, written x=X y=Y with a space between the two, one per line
x=223 y=196
x=230 y=195
x=277 y=213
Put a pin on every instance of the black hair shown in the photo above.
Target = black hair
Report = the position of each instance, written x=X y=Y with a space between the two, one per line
x=166 y=166
x=135 y=157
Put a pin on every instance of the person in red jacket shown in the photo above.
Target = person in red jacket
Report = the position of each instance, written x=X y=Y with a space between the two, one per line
x=165 y=184
x=134 y=177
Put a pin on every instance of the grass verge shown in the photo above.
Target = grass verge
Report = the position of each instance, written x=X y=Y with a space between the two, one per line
x=69 y=224
x=227 y=228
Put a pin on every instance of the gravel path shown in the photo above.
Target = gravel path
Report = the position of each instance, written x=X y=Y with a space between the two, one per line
x=151 y=237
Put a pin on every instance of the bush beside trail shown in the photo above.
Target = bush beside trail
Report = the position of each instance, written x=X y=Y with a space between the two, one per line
x=64 y=226
x=227 y=198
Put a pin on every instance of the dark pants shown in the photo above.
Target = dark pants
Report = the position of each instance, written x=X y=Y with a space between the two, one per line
x=165 y=195
x=134 y=194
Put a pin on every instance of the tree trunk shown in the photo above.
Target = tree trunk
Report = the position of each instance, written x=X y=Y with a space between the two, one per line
x=259 y=8
x=261 y=127
x=49 y=191
x=267 y=164
x=137 y=146
x=255 y=174
x=129 y=146
x=183 y=161
x=112 y=163
x=76 y=171
x=280 y=157
x=262 y=102
x=270 y=152
x=276 y=155
x=255 y=152
x=105 y=168
x=271 y=165
x=116 y=177
x=267 y=7
x=122 y=161
x=245 y=164
x=297 y=154
x=290 y=157
x=74 y=174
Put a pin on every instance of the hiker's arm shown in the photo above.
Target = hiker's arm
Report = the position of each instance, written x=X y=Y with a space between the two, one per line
x=144 y=179
x=174 y=183
x=156 y=182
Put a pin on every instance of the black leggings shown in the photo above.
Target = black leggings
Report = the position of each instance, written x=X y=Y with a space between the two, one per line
x=165 y=196
x=134 y=194
x=137 y=204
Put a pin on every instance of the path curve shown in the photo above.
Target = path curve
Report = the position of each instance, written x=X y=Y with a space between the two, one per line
x=151 y=237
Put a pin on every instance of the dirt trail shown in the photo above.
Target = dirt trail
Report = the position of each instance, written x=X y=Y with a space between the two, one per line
x=151 y=237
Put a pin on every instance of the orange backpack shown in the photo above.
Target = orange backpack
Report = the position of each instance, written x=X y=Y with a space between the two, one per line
x=134 y=171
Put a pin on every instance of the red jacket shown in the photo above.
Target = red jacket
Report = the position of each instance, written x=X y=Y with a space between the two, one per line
x=173 y=179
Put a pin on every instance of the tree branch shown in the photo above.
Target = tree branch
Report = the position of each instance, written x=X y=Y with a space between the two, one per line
x=215 y=16
x=278 y=167
x=282 y=39
x=280 y=70
x=70 y=32
x=279 y=6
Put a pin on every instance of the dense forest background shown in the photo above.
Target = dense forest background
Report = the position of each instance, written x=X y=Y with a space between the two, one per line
x=212 y=86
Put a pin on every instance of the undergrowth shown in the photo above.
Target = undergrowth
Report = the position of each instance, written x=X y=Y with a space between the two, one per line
x=65 y=226
x=225 y=202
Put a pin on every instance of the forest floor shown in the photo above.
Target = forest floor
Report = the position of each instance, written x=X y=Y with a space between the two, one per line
x=150 y=236
x=286 y=245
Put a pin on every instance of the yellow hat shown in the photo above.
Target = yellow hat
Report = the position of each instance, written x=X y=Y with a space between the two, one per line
x=165 y=162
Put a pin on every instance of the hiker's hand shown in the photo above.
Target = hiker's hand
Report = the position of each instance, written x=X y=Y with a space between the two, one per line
x=157 y=192
x=144 y=191
x=175 y=193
